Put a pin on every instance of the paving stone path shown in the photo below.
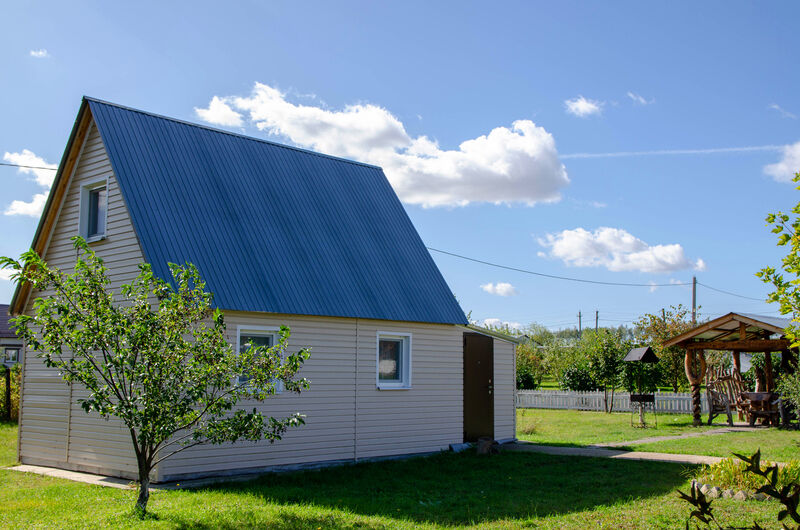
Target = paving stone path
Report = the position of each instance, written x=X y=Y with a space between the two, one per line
x=603 y=452
x=610 y=449
x=653 y=439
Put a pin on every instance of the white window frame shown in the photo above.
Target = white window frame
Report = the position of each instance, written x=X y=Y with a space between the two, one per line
x=260 y=331
x=86 y=189
x=405 y=377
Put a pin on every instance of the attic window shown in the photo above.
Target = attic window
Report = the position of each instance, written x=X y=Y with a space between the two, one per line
x=94 y=211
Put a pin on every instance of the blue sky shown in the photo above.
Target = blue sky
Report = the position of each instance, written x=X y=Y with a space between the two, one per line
x=476 y=112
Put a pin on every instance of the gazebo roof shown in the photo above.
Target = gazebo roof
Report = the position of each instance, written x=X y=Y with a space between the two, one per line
x=736 y=331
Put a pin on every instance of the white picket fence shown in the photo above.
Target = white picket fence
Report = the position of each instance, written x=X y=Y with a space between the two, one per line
x=666 y=402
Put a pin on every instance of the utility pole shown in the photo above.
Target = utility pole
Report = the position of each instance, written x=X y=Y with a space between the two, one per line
x=580 y=329
x=694 y=300
x=596 y=318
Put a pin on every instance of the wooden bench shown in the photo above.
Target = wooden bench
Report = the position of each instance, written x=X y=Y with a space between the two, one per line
x=724 y=393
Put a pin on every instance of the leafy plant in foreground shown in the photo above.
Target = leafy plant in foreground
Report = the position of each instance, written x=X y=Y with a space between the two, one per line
x=155 y=357
x=787 y=494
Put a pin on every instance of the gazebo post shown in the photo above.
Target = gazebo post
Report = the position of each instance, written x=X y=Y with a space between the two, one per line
x=695 y=381
x=737 y=363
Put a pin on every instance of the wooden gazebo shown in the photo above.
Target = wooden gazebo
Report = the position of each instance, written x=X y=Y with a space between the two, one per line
x=734 y=332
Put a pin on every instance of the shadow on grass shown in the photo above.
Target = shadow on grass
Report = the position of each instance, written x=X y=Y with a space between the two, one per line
x=457 y=489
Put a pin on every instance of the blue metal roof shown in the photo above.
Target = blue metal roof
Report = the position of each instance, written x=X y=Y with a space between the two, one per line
x=271 y=228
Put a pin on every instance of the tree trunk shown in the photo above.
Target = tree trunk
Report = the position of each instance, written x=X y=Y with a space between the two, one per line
x=611 y=407
x=144 y=484
x=761 y=380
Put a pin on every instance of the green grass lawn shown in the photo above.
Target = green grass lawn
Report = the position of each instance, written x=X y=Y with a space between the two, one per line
x=579 y=428
x=510 y=490
x=8 y=443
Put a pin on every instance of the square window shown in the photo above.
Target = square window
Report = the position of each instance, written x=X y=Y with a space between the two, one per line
x=11 y=355
x=394 y=361
x=248 y=338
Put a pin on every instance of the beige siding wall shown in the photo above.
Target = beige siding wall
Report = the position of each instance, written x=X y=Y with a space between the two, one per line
x=51 y=431
x=504 y=390
x=345 y=421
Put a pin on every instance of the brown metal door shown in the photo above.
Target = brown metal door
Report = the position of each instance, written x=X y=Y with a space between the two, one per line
x=478 y=386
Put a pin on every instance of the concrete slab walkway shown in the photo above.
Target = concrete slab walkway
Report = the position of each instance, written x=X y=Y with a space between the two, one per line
x=77 y=476
x=602 y=452
x=121 y=483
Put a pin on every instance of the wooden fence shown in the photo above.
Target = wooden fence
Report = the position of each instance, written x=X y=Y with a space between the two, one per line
x=666 y=402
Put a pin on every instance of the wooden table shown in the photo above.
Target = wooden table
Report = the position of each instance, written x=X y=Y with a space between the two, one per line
x=761 y=406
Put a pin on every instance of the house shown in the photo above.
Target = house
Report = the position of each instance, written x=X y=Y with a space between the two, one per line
x=282 y=236
x=10 y=345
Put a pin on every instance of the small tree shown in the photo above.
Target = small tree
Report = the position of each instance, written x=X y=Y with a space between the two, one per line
x=154 y=357
x=787 y=288
x=530 y=366
x=655 y=330
x=606 y=351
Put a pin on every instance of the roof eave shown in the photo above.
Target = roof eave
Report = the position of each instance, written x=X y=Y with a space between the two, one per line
x=492 y=333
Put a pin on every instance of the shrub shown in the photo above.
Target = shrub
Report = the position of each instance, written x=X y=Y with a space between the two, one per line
x=789 y=387
x=732 y=474
x=16 y=376
x=578 y=377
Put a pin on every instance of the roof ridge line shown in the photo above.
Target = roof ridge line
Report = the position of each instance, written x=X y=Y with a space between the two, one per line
x=230 y=133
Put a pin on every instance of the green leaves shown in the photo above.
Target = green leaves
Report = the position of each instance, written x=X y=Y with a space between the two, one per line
x=787 y=289
x=154 y=354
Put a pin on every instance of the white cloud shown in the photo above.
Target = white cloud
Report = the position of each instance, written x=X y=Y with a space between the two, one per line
x=616 y=250
x=582 y=107
x=789 y=164
x=41 y=53
x=33 y=208
x=497 y=323
x=5 y=274
x=783 y=112
x=44 y=177
x=219 y=113
x=509 y=164
x=500 y=289
x=640 y=100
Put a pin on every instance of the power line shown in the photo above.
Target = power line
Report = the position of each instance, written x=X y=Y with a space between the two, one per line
x=566 y=278
x=28 y=167
x=730 y=293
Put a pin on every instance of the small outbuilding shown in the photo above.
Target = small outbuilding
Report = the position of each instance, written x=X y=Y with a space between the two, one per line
x=282 y=236
x=642 y=355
